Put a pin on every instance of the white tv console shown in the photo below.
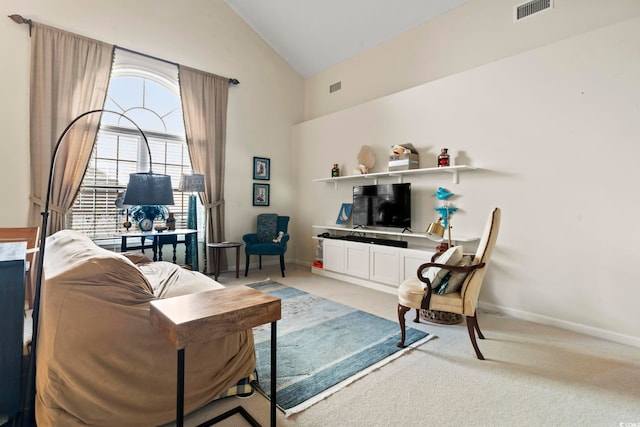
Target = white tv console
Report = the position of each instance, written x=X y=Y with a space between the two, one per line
x=377 y=266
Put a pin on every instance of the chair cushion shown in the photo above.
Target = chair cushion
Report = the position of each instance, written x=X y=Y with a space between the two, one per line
x=410 y=294
x=451 y=256
x=267 y=227
x=453 y=280
x=265 y=249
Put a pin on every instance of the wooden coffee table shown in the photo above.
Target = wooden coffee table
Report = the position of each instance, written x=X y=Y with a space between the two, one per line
x=216 y=256
x=204 y=316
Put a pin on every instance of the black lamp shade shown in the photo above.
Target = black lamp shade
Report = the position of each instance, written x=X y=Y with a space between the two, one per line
x=148 y=188
x=193 y=183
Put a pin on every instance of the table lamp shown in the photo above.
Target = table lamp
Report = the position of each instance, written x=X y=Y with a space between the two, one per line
x=192 y=183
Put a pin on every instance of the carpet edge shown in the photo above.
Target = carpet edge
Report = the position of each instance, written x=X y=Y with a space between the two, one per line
x=331 y=390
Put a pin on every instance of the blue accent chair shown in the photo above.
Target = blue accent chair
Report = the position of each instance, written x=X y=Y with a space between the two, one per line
x=261 y=242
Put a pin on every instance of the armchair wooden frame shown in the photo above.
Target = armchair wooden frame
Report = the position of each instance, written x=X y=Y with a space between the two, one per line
x=413 y=293
x=472 y=321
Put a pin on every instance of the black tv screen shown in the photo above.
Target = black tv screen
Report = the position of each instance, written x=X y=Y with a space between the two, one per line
x=383 y=205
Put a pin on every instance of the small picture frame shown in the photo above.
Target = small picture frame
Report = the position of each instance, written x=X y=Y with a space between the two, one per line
x=260 y=194
x=261 y=168
x=344 y=214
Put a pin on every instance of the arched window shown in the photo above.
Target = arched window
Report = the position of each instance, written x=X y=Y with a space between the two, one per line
x=146 y=91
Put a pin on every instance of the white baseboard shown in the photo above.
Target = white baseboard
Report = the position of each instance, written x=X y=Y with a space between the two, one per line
x=518 y=314
x=563 y=324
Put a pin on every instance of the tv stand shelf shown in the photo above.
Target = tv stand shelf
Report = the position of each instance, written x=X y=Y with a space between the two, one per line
x=457 y=238
x=453 y=170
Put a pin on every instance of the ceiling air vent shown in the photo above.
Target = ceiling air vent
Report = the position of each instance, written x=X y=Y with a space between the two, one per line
x=530 y=8
x=335 y=87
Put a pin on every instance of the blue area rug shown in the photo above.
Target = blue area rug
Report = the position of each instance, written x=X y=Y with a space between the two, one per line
x=322 y=346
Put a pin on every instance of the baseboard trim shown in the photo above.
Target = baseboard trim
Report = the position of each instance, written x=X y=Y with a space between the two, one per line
x=563 y=324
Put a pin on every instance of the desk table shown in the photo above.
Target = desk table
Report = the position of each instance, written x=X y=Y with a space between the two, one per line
x=204 y=316
x=158 y=240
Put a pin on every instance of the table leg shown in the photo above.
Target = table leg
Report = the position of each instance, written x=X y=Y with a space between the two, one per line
x=154 y=246
x=123 y=244
x=273 y=374
x=216 y=260
x=237 y=262
x=180 y=394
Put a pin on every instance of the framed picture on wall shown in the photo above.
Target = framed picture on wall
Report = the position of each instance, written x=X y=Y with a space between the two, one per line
x=260 y=194
x=261 y=168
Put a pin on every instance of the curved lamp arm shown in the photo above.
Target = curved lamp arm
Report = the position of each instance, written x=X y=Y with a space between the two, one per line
x=164 y=195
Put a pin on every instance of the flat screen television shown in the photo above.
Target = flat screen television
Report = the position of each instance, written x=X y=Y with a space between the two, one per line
x=382 y=205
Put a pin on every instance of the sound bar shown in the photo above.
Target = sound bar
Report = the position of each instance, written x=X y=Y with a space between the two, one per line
x=377 y=241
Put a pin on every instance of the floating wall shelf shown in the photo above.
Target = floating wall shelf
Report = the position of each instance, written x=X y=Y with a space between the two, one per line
x=453 y=170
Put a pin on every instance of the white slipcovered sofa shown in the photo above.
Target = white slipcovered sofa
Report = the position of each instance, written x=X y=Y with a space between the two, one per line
x=100 y=361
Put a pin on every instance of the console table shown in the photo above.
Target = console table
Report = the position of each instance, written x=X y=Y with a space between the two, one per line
x=204 y=316
x=167 y=237
x=12 y=278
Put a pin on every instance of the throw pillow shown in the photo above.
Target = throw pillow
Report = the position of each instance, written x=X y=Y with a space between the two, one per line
x=455 y=279
x=451 y=256
x=267 y=227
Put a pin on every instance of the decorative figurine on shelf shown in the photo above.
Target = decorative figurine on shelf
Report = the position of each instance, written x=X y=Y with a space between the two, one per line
x=443 y=158
x=366 y=160
x=335 y=171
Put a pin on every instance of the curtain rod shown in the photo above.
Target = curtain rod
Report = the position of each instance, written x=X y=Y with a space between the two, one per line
x=18 y=19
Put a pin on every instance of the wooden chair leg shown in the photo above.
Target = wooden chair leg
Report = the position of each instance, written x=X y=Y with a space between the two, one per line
x=472 y=324
x=282 y=264
x=246 y=266
x=402 y=310
x=478 y=328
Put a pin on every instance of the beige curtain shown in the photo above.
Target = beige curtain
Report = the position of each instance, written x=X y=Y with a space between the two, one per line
x=69 y=76
x=204 y=105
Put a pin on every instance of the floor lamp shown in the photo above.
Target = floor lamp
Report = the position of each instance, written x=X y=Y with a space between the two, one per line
x=192 y=183
x=144 y=188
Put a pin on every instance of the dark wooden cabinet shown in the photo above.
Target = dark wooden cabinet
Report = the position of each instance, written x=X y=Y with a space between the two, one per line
x=12 y=277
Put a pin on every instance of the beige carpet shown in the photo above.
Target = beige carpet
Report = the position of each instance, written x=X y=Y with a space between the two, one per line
x=534 y=375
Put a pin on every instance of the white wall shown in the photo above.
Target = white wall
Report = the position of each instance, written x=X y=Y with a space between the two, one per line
x=204 y=34
x=555 y=131
x=480 y=32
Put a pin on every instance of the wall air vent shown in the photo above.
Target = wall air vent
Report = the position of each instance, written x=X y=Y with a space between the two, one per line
x=530 y=8
x=334 y=87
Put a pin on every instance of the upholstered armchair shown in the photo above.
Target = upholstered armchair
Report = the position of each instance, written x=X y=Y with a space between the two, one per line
x=270 y=238
x=428 y=290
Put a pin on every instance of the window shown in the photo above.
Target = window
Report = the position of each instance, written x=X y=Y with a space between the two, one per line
x=146 y=91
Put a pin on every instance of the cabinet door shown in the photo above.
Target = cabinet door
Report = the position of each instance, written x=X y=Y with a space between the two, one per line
x=356 y=259
x=12 y=269
x=384 y=265
x=410 y=260
x=333 y=255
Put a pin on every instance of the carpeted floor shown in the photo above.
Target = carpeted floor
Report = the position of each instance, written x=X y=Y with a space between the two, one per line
x=322 y=346
x=534 y=375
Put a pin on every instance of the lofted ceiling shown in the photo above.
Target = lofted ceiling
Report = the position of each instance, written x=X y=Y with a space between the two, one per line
x=313 y=35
